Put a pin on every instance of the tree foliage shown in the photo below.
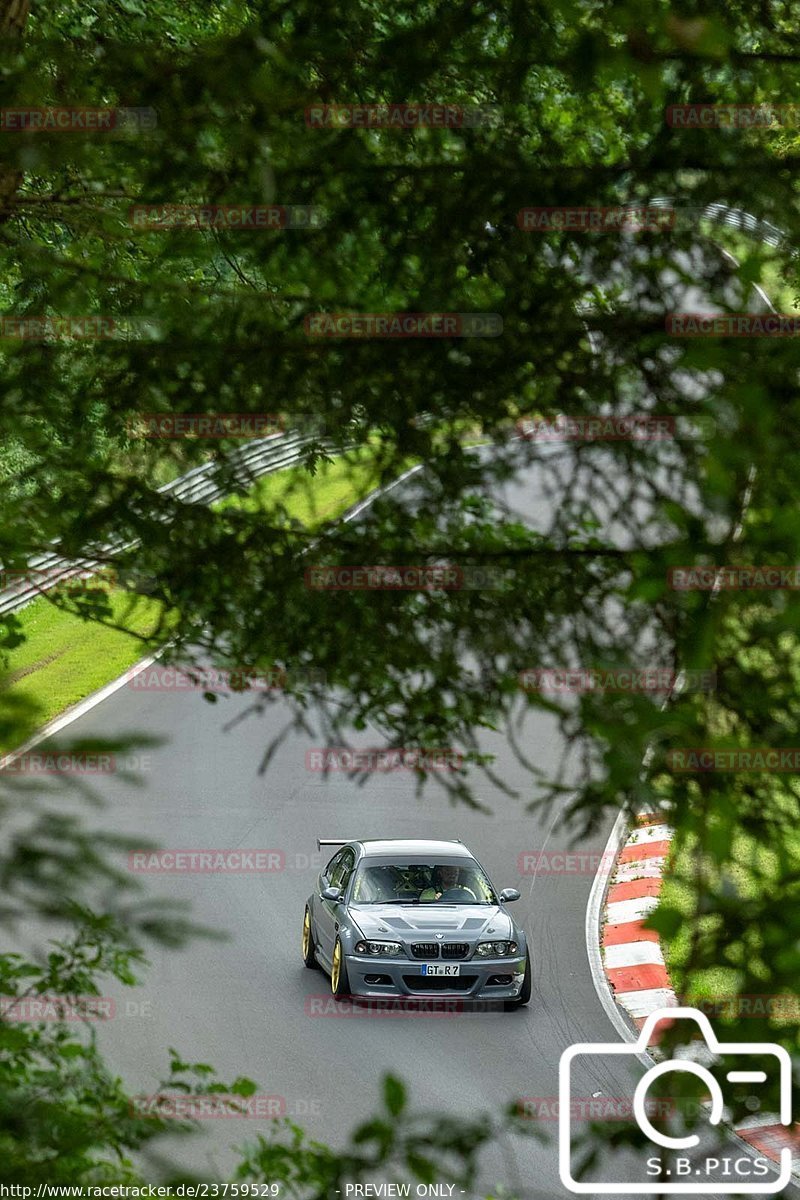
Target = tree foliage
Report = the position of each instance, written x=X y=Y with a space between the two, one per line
x=416 y=221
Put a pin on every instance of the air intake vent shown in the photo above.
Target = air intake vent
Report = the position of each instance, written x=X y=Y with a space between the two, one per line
x=425 y=950
x=439 y=983
x=454 y=949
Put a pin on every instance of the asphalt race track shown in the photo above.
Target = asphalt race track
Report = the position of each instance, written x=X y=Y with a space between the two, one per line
x=247 y=1004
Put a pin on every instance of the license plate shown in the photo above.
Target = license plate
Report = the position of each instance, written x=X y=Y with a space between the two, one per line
x=441 y=969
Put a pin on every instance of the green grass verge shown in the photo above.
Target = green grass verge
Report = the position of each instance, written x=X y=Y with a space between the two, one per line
x=65 y=658
x=312 y=499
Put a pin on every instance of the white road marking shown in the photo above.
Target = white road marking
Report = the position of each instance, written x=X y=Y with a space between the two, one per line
x=630 y=910
x=641 y=1004
x=633 y=954
x=648 y=868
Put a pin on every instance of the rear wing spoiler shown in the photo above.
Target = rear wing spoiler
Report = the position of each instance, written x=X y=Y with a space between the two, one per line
x=332 y=842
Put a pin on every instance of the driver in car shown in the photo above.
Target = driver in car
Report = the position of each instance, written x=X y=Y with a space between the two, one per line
x=444 y=879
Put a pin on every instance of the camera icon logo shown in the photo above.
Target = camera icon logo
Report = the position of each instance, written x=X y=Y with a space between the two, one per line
x=705 y=1172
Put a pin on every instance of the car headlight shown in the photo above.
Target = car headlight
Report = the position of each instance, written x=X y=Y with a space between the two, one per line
x=496 y=949
x=389 y=949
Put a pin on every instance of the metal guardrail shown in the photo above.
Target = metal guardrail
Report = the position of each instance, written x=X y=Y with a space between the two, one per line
x=735 y=218
x=763 y=231
x=201 y=485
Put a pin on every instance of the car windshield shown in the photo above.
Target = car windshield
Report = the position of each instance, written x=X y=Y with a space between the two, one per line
x=461 y=882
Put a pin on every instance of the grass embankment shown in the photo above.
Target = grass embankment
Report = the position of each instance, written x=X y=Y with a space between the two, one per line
x=65 y=658
x=312 y=499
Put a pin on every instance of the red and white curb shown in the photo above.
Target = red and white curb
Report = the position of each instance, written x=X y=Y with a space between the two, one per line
x=632 y=958
x=633 y=961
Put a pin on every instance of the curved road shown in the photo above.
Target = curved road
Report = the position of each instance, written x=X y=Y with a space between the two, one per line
x=243 y=1004
x=246 y=1004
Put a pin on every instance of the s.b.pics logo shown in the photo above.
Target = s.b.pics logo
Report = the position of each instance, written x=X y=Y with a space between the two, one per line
x=682 y=1154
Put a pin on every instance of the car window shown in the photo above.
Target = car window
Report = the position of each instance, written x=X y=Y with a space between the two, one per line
x=345 y=869
x=342 y=868
x=332 y=865
x=459 y=881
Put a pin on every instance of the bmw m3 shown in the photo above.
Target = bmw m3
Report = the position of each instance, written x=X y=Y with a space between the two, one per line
x=405 y=917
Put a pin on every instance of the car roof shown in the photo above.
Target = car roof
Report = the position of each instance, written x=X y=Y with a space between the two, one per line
x=376 y=848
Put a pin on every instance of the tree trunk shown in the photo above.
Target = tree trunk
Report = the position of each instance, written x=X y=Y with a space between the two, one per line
x=13 y=15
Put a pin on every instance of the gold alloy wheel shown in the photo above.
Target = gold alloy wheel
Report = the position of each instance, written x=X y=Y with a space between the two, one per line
x=306 y=934
x=336 y=967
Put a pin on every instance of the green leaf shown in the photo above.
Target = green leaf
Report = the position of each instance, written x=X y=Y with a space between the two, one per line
x=394 y=1095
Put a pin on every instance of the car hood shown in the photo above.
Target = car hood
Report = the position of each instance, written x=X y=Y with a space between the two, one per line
x=463 y=922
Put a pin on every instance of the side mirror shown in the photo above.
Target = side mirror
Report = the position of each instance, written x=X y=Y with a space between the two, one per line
x=334 y=893
x=509 y=894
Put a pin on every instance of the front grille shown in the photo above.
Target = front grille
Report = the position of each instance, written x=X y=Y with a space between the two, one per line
x=454 y=949
x=439 y=983
x=425 y=950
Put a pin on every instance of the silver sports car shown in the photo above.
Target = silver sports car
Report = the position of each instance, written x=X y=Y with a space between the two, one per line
x=414 y=918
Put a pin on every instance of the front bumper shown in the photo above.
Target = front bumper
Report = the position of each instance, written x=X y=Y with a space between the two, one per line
x=479 y=979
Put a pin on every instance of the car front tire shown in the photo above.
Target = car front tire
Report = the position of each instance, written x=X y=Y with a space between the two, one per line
x=308 y=947
x=524 y=997
x=340 y=985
